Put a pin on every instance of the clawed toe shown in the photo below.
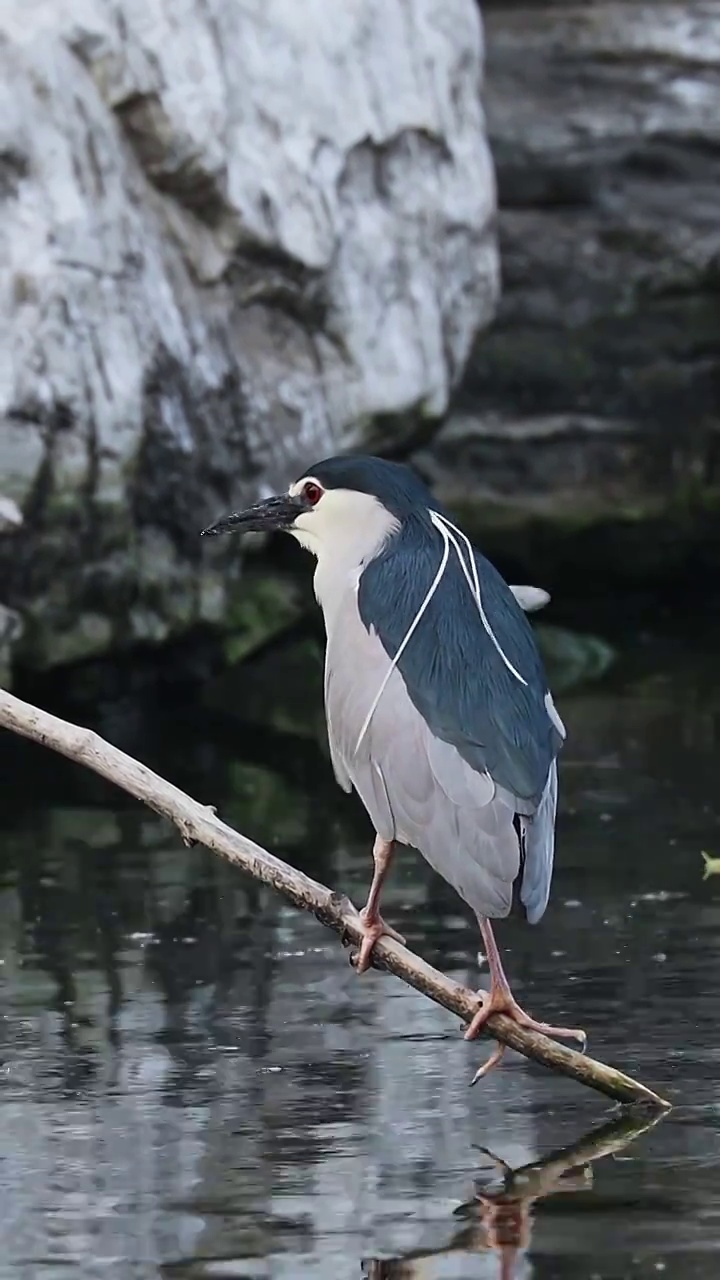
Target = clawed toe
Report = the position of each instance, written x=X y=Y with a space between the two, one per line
x=500 y=999
x=545 y=1028
x=494 y=1002
x=493 y=1060
x=373 y=930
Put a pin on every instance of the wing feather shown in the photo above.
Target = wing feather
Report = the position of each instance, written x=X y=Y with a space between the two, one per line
x=454 y=674
x=539 y=834
x=463 y=684
x=417 y=788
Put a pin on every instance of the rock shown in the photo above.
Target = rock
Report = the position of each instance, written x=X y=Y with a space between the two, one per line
x=234 y=238
x=269 y=605
x=10 y=514
x=592 y=402
x=11 y=628
x=573 y=658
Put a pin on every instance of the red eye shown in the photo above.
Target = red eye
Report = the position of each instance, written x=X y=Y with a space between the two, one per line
x=312 y=493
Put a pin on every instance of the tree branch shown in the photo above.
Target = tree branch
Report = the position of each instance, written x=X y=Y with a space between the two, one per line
x=198 y=823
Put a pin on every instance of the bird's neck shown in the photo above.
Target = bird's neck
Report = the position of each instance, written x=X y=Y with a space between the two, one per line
x=340 y=563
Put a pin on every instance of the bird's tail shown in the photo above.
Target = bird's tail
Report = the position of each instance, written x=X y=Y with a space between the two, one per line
x=708 y=868
x=539 y=851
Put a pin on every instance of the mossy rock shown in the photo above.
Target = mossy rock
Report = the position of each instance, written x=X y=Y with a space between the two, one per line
x=264 y=604
x=572 y=658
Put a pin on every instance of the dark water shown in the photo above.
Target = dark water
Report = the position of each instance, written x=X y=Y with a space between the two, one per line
x=194 y=1083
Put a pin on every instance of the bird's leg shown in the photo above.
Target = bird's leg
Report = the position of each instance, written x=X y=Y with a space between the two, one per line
x=373 y=925
x=500 y=999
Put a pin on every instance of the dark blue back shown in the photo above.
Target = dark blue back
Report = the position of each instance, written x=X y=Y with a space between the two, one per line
x=454 y=675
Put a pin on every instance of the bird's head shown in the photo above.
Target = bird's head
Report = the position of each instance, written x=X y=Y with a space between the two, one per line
x=353 y=500
x=346 y=508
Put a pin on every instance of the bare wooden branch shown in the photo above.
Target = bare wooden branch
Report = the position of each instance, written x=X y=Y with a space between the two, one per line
x=199 y=823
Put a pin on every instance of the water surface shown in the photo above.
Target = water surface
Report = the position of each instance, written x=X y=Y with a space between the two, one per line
x=194 y=1082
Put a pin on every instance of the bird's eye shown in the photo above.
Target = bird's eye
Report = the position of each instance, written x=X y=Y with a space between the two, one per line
x=312 y=493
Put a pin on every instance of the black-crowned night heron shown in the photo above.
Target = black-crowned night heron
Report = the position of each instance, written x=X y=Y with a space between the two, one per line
x=438 y=707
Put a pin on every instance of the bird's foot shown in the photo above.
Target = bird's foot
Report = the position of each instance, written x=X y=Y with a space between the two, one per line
x=373 y=928
x=500 y=1001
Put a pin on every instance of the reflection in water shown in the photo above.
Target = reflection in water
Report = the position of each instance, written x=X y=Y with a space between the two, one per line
x=194 y=1083
x=501 y=1221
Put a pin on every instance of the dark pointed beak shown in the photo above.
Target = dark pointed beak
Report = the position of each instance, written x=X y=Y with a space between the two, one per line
x=280 y=512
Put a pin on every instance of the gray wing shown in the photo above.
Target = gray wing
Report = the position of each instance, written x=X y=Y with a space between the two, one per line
x=416 y=787
x=539 y=836
x=482 y=689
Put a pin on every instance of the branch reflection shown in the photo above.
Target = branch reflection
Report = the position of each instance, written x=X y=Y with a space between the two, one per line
x=501 y=1220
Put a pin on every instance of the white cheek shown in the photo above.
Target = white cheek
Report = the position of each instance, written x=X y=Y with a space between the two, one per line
x=344 y=527
x=303 y=533
x=306 y=540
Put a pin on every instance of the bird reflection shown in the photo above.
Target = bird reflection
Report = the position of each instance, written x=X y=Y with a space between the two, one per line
x=501 y=1221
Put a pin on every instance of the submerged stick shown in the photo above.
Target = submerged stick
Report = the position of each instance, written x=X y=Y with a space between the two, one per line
x=199 y=824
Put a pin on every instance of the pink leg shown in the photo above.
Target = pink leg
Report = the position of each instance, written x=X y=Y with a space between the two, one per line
x=500 y=999
x=373 y=925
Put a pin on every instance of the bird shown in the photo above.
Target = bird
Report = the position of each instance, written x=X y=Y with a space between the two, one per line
x=439 y=712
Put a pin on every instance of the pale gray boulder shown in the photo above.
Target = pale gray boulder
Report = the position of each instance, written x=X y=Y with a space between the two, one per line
x=233 y=238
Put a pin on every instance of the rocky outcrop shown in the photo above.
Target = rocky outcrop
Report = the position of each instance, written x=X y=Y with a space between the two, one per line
x=10 y=621
x=233 y=238
x=588 y=426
